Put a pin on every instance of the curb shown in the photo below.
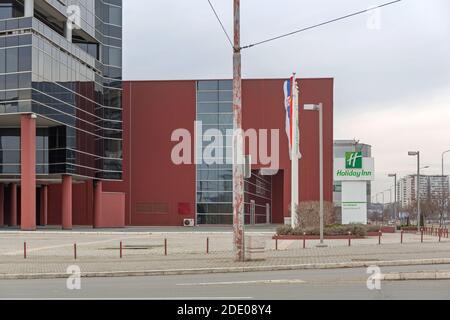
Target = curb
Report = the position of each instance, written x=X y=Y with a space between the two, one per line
x=323 y=266
x=422 y=275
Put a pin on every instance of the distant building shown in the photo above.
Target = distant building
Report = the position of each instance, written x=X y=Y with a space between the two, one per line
x=339 y=150
x=432 y=188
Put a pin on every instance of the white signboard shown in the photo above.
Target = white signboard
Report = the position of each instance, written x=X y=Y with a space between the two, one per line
x=354 y=202
x=354 y=171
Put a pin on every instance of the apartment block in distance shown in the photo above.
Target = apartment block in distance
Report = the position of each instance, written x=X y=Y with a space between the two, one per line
x=434 y=188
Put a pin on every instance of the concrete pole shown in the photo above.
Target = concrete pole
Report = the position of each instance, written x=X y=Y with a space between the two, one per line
x=68 y=27
x=28 y=172
x=238 y=141
x=13 y=200
x=66 y=202
x=44 y=205
x=98 y=204
x=28 y=8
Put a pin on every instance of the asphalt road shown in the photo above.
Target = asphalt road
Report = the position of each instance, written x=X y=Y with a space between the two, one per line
x=307 y=284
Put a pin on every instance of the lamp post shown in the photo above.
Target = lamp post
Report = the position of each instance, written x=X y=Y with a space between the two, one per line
x=444 y=194
x=390 y=200
x=319 y=108
x=394 y=175
x=417 y=154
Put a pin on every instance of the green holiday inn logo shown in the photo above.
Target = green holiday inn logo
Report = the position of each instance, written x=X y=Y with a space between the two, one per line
x=354 y=167
x=353 y=160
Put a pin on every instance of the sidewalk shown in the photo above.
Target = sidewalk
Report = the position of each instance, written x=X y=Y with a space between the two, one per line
x=99 y=253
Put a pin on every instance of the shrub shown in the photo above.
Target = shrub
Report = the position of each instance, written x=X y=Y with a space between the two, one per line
x=358 y=230
x=309 y=217
x=373 y=228
x=284 y=230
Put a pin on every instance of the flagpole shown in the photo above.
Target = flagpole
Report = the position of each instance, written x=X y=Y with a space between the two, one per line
x=294 y=155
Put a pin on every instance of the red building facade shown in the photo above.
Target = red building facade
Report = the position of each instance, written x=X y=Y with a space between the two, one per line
x=160 y=193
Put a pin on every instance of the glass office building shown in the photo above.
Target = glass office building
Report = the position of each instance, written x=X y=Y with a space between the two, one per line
x=215 y=171
x=72 y=82
x=61 y=63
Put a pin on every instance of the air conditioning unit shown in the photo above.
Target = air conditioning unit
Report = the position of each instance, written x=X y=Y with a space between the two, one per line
x=189 y=223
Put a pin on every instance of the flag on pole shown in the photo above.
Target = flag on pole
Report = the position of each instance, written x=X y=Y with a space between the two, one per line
x=292 y=115
x=293 y=133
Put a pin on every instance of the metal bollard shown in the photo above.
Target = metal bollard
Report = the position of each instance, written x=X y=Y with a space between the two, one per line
x=402 y=233
x=349 y=239
x=379 y=237
x=24 y=250
x=121 y=249
x=75 y=251
x=421 y=235
x=165 y=247
x=207 y=245
x=276 y=244
x=440 y=235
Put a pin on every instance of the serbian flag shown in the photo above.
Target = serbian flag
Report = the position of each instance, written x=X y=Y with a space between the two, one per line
x=292 y=123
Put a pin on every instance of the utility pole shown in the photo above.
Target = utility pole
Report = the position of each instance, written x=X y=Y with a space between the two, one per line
x=238 y=142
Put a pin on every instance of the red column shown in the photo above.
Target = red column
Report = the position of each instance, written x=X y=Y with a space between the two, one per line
x=66 y=202
x=28 y=172
x=2 y=205
x=13 y=200
x=98 y=205
x=44 y=205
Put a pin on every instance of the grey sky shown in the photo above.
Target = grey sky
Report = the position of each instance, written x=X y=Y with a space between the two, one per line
x=392 y=85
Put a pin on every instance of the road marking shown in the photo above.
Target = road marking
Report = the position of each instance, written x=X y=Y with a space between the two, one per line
x=132 y=299
x=290 y=281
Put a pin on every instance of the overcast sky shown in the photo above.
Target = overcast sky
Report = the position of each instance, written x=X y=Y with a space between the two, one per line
x=392 y=83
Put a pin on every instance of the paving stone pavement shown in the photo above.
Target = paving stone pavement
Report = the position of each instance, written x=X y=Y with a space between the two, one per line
x=53 y=253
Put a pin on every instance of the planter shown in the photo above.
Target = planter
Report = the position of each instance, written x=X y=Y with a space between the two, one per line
x=388 y=229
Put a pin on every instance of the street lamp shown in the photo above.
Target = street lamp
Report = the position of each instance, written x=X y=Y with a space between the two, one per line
x=384 y=205
x=443 y=186
x=390 y=199
x=417 y=154
x=394 y=175
x=319 y=108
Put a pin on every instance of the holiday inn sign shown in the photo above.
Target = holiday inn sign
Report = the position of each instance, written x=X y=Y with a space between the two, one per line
x=353 y=160
x=354 y=171
x=354 y=167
